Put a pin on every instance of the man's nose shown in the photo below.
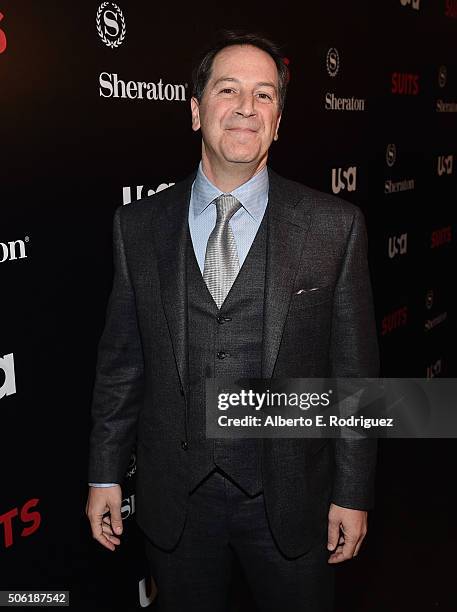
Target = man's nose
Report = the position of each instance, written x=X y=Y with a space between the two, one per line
x=245 y=106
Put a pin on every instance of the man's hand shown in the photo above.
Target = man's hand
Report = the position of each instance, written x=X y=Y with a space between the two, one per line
x=100 y=501
x=346 y=530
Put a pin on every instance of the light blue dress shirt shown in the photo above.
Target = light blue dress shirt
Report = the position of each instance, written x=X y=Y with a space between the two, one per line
x=253 y=196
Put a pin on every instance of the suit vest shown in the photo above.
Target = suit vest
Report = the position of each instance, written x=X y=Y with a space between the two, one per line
x=225 y=342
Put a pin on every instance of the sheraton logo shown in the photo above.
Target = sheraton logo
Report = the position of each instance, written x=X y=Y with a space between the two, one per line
x=111 y=86
x=110 y=23
x=442 y=76
x=395 y=186
x=13 y=250
x=333 y=62
x=332 y=101
x=391 y=155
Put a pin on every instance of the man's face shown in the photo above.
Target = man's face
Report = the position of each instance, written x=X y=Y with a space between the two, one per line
x=238 y=113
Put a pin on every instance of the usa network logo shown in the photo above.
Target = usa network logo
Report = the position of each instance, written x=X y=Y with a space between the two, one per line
x=3 y=43
x=415 y=4
x=445 y=164
x=127 y=192
x=8 y=386
x=344 y=179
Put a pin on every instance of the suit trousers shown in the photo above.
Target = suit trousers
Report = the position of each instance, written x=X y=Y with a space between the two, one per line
x=224 y=524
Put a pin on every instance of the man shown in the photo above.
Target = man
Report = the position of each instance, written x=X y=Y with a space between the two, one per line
x=213 y=277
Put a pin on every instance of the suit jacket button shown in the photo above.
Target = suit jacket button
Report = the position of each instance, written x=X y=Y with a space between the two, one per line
x=183 y=444
x=222 y=355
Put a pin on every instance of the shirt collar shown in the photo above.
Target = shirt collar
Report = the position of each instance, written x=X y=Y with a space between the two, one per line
x=253 y=194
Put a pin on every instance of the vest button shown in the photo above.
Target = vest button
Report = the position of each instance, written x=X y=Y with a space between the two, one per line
x=183 y=444
x=222 y=355
x=220 y=319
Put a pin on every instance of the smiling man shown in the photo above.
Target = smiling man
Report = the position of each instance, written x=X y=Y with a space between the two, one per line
x=213 y=278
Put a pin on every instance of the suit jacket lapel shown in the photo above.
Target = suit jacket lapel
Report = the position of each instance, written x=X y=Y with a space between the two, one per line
x=170 y=231
x=288 y=225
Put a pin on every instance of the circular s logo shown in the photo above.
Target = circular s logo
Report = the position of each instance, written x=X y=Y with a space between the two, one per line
x=391 y=155
x=110 y=24
x=2 y=37
x=333 y=62
x=442 y=76
x=429 y=299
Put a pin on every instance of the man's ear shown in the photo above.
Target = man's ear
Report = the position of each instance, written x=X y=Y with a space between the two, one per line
x=277 y=127
x=195 y=109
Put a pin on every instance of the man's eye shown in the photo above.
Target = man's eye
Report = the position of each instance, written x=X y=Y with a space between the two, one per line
x=264 y=96
x=226 y=90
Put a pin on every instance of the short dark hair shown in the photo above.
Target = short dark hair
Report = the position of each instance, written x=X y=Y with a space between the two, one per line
x=227 y=38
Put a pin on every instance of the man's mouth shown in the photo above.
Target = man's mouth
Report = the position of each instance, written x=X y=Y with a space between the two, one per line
x=241 y=129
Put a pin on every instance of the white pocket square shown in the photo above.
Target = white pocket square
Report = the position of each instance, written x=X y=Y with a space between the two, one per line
x=305 y=290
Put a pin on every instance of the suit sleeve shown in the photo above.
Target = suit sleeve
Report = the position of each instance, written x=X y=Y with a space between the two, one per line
x=354 y=353
x=118 y=389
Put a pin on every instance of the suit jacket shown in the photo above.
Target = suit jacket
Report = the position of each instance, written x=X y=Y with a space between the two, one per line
x=141 y=386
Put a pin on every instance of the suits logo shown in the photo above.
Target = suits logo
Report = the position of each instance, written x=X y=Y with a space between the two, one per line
x=3 y=42
x=110 y=24
x=8 y=386
x=127 y=192
x=415 y=4
x=391 y=155
x=442 y=76
x=394 y=320
x=451 y=8
x=6 y=520
x=344 y=179
x=441 y=236
x=333 y=62
x=445 y=164
x=398 y=245
x=15 y=249
x=405 y=84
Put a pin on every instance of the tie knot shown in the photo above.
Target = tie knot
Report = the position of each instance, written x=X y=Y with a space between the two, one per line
x=226 y=206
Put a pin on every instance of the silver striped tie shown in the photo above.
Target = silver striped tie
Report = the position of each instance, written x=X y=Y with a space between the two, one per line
x=221 y=259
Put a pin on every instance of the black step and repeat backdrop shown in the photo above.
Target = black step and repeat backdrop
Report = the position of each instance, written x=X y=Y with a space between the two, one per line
x=94 y=113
